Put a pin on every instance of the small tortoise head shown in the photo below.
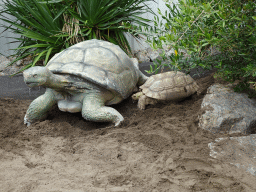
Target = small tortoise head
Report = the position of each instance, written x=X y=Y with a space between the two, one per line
x=36 y=76
x=136 y=96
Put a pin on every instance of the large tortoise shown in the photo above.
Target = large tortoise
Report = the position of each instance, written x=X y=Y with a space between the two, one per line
x=84 y=78
x=173 y=85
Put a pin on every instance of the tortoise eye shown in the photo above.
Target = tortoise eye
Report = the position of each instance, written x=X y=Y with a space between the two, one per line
x=35 y=75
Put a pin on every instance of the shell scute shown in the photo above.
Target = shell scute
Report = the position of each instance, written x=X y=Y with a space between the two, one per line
x=179 y=81
x=68 y=56
x=163 y=95
x=157 y=86
x=189 y=80
x=103 y=58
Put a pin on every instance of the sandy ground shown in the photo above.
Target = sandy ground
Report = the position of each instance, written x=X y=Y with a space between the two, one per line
x=159 y=149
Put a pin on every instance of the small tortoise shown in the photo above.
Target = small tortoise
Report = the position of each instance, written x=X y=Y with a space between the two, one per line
x=84 y=78
x=171 y=85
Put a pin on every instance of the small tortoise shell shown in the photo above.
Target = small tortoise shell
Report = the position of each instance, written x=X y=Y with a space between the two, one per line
x=169 y=86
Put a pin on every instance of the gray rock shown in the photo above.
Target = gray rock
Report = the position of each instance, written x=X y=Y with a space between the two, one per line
x=169 y=52
x=18 y=63
x=239 y=151
x=10 y=70
x=229 y=112
x=153 y=54
x=142 y=56
x=15 y=67
x=3 y=62
x=149 y=54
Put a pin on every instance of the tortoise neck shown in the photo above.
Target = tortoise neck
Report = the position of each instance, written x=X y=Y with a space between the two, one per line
x=56 y=81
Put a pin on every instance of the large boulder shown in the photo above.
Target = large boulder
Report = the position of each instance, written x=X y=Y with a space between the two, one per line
x=227 y=111
x=150 y=55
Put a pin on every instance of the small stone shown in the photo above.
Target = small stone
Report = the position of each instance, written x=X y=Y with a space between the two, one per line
x=18 y=63
x=152 y=54
x=3 y=62
x=142 y=56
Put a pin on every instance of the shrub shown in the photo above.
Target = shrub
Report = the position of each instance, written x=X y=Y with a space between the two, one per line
x=49 y=26
x=212 y=33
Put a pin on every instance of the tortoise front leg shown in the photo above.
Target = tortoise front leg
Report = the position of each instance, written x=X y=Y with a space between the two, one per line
x=39 y=107
x=94 y=109
x=144 y=100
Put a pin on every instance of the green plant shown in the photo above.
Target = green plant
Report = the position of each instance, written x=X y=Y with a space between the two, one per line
x=39 y=27
x=49 y=26
x=212 y=33
x=103 y=19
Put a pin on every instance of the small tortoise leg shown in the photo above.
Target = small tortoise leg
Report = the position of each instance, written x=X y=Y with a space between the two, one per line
x=144 y=100
x=39 y=107
x=94 y=109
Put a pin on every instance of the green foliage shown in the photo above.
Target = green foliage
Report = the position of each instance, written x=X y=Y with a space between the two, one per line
x=40 y=32
x=102 y=19
x=212 y=33
x=49 y=26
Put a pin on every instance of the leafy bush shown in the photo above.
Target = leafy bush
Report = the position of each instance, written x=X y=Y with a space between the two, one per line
x=39 y=26
x=49 y=26
x=212 y=33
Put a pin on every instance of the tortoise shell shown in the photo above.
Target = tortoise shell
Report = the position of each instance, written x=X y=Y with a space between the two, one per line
x=99 y=62
x=169 y=86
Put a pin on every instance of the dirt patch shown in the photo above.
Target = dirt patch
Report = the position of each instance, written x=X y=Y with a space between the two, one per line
x=159 y=149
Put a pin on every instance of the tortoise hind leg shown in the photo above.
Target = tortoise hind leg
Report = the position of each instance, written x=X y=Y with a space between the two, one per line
x=94 y=109
x=39 y=107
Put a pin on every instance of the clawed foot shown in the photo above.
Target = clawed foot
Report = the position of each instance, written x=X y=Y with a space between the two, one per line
x=141 y=106
x=119 y=122
x=26 y=121
x=122 y=124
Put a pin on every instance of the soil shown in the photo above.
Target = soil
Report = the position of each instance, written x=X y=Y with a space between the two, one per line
x=159 y=149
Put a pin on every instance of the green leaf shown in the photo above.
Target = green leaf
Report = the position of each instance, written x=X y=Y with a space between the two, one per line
x=175 y=31
x=24 y=68
x=156 y=71
x=205 y=44
x=38 y=57
x=162 y=38
x=60 y=13
x=169 y=37
x=34 y=46
x=47 y=55
x=151 y=68
x=201 y=34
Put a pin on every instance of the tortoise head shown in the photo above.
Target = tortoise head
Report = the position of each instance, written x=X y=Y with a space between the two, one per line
x=136 y=96
x=36 y=76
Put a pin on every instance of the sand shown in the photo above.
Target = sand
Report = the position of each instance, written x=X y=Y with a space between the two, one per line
x=159 y=149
